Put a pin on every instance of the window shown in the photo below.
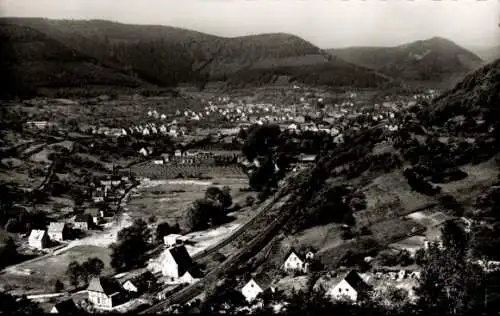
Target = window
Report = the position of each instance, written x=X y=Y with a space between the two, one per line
x=340 y=290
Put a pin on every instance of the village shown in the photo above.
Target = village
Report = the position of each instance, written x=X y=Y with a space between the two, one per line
x=172 y=264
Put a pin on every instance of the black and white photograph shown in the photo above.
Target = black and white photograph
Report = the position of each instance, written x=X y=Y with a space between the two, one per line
x=250 y=157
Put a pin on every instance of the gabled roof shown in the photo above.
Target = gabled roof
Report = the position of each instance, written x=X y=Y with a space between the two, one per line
x=56 y=227
x=355 y=281
x=143 y=280
x=181 y=256
x=83 y=218
x=37 y=234
x=263 y=280
x=104 y=285
x=66 y=307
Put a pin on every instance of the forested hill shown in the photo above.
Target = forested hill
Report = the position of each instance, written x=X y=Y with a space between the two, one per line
x=166 y=56
x=432 y=60
x=31 y=59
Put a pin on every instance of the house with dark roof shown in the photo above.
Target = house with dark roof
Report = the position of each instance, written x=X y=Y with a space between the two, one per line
x=176 y=261
x=66 y=307
x=104 y=292
x=255 y=286
x=140 y=283
x=83 y=221
x=350 y=287
x=58 y=231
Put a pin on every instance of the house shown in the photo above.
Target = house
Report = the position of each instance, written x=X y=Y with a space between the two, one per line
x=143 y=152
x=99 y=194
x=97 y=215
x=350 y=287
x=172 y=240
x=83 y=221
x=66 y=307
x=255 y=286
x=140 y=283
x=175 y=262
x=191 y=276
x=58 y=231
x=38 y=239
x=294 y=263
x=104 y=292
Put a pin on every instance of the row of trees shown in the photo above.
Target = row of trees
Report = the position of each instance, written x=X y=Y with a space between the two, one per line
x=81 y=273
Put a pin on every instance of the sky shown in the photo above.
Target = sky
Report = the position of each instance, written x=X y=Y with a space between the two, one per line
x=325 y=23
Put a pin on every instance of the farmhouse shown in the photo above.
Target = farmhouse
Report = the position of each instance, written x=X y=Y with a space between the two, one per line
x=58 y=231
x=350 y=287
x=140 y=283
x=294 y=263
x=175 y=262
x=255 y=286
x=104 y=292
x=66 y=307
x=83 y=221
x=38 y=239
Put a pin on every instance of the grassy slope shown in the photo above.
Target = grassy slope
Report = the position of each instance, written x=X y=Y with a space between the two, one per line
x=389 y=197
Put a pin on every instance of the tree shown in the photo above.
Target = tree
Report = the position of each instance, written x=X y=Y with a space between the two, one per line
x=250 y=200
x=130 y=249
x=11 y=305
x=74 y=272
x=58 y=286
x=225 y=298
x=162 y=229
x=450 y=283
x=93 y=266
x=8 y=251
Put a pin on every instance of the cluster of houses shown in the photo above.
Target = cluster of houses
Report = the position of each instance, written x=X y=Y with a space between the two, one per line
x=172 y=129
x=58 y=231
x=191 y=156
x=40 y=124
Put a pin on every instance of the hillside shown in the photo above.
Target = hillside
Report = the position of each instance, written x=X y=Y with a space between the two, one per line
x=32 y=60
x=378 y=187
x=488 y=54
x=166 y=56
x=476 y=97
x=433 y=60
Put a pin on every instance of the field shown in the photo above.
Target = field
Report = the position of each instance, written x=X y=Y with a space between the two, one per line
x=168 y=200
x=45 y=271
x=168 y=171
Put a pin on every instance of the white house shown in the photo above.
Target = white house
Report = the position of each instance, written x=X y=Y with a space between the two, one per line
x=104 y=292
x=255 y=286
x=350 y=287
x=58 y=231
x=294 y=263
x=143 y=152
x=175 y=262
x=38 y=239
x=66 y=307
x=191 y=276
x=140 y=283
x=172 y=240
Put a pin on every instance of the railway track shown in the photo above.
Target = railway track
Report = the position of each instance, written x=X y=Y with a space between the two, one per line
x=268 y=217
x=255 y=245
